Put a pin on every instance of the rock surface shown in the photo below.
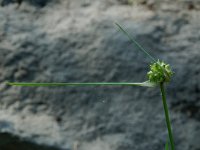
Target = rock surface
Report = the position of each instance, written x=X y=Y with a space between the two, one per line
x=75 y=41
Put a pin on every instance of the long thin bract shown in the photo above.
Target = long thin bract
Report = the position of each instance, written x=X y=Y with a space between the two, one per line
x=135 y=42
x=146 y=84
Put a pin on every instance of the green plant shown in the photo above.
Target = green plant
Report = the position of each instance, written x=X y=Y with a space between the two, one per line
x=159 y=74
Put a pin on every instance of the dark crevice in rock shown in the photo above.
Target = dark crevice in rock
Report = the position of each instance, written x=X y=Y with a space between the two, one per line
x=10 y=142
x=38 y=3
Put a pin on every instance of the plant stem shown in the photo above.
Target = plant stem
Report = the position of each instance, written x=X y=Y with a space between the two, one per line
x=162 y=89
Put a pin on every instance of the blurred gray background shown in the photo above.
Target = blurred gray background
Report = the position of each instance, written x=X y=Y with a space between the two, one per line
x=77 y=41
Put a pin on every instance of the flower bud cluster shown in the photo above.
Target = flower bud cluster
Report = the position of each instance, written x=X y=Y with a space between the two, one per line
x=159 y=72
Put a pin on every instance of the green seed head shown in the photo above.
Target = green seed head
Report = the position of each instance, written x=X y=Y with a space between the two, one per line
x=159 y=72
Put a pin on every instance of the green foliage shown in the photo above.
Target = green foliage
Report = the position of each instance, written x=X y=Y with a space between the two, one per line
x=130 y=2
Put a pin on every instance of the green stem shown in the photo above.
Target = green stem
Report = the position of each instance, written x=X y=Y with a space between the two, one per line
x=162 y=89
